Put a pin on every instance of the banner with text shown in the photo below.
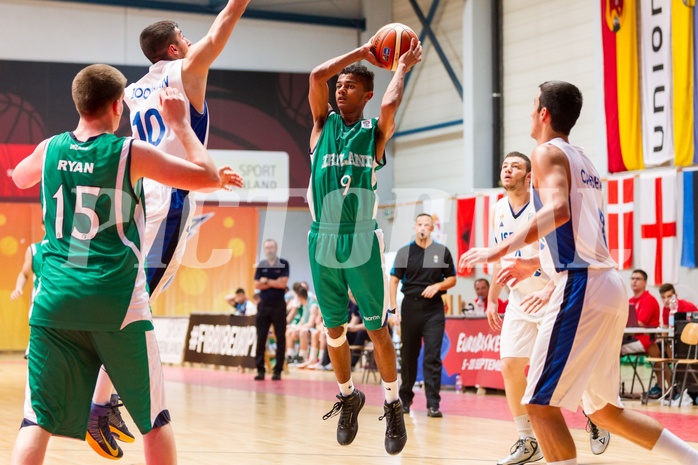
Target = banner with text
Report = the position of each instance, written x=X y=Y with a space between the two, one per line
x=474 y=353
x=171 y=332
x=221 y=339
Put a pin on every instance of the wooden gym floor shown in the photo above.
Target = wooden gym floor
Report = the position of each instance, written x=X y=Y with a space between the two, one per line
x=223 y=417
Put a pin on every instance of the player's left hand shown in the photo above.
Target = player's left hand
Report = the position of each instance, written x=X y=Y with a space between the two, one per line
x=472 y=257
x=513 y=272
x=229 y=178
x=430 y=291
x=413 y=55
x=535 y=301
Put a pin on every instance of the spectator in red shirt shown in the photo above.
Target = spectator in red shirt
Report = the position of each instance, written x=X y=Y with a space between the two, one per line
x=666 y=292
x=482 y=290
x=647 y=310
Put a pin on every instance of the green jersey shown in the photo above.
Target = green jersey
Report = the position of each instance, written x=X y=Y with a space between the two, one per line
x=92 y=278
x=342 y=180
x=37 y=259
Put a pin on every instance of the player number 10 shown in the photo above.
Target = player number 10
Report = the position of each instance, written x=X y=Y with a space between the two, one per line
x=145 y=127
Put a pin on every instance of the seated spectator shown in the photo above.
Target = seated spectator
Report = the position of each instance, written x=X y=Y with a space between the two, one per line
x=647 y=311
x=666 y=292
x=242 y=305
x=356 y=330
x=302 y=318
x=482 y=290
x=318 y=345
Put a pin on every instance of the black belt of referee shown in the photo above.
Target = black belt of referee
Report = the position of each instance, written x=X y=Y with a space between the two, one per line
x=419 y=298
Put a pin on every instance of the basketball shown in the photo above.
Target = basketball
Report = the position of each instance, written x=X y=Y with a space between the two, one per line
x=390 y=42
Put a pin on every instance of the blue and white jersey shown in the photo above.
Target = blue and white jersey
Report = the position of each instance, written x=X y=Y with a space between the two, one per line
x=505 y=223
x=147 y=123
x=581 y=242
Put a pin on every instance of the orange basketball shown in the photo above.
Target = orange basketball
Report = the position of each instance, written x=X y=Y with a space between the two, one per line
x=390 y=42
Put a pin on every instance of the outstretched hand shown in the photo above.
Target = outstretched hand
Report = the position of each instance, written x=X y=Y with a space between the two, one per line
x=515 y=271
x=472 y=257
x=229 y=178
x=535 y=301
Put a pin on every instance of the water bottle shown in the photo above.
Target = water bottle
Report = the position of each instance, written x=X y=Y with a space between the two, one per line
x=459 y=385
x=673 y=308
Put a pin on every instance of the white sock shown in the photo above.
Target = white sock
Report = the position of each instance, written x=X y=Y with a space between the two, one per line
x=523 y=426
x=304 y=354
x=391 y=391
x=313 y=355
x=673 y=447
x=103 y=388
x=321 y=355
x=289 y=352
x=346 y=389
x=564 y=462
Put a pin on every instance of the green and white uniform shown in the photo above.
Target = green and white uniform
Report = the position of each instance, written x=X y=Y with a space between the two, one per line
x=345 y=244
x=91 y=307
x=36 y=249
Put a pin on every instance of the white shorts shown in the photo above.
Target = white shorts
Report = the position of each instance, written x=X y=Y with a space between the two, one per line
x=576 y=354
x=168 y=216
x=518 y=335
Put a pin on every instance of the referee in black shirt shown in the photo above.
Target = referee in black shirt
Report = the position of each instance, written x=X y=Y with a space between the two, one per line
x=426 y=271
x=271 y=279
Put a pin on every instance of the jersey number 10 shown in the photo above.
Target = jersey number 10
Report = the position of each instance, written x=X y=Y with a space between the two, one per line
x=144 y=126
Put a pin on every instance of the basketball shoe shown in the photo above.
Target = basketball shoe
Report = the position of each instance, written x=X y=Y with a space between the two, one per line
x=99 y=436
x=348 y=409
x=599 y=438
x=523 y=451
x=395 y=432
x=116 y=424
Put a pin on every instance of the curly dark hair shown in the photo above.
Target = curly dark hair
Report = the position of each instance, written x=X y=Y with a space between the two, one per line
x=362 y=73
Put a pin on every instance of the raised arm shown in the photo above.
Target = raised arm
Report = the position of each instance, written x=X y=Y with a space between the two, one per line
x=393 y=96
x=196 y=172
x=203 y=53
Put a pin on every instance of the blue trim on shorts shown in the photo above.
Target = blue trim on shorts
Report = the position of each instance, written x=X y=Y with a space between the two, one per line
x=562 y=337
x=161 y=253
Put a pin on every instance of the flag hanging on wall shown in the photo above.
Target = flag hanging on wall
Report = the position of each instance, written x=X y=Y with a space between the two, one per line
x=682 y=26
x=657 y=83
x=483 y=220
x=658 y=229
x=621 y=85
x=466 y=228
x=621 y=201
x=689 y=249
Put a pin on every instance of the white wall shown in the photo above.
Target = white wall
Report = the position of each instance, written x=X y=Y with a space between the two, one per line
x=542 y=42
x=82 y=33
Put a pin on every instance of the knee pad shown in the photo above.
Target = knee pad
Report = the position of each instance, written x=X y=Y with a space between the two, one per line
x=340 y=340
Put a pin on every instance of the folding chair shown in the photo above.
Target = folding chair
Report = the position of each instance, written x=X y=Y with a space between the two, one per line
x=634 y=361
x=688 y=365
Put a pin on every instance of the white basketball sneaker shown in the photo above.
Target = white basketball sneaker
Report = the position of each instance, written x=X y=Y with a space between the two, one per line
x=599 y=438
x=524 y=451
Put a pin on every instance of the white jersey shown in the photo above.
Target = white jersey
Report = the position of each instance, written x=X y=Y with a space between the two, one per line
x=581 y=242
x=169 y=211
x=146 y=122
x=505 y=223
